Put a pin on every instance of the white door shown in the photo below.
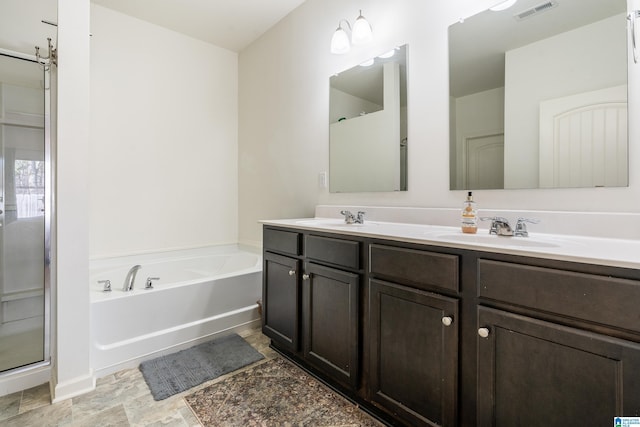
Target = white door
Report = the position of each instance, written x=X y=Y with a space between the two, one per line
x=583 y=140
x=484 y=162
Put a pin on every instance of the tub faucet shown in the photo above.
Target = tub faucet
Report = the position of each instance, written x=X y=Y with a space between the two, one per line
x=131 y=278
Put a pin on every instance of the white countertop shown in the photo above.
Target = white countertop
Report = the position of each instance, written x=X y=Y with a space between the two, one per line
x=593 y=250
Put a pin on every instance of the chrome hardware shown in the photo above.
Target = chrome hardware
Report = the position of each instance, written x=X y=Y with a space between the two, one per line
x=130 y=278
x=447 y=320
x=632 y=24
x=521 y=226
x=499 y=226
x=348 y=217
x=149 y=284
x=107 y=285
x=483 y=332
x=292 y=272
x=306 y=276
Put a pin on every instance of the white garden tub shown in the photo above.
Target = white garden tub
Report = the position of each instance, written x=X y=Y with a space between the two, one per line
x=200 y=293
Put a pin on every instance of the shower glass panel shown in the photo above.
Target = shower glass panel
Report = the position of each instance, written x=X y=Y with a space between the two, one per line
x=22 y=213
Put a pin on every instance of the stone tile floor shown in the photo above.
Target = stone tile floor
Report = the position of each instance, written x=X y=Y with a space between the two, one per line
x=120 y=399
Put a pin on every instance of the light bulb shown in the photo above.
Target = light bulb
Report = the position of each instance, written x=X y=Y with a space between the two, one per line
x=502 y=6
x=362 y=32
x=340 y=42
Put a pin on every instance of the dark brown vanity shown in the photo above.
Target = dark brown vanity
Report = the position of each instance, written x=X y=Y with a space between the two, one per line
x=424 y=334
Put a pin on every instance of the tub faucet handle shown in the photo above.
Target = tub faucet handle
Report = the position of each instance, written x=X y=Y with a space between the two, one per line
x=107 y=285
x=149 y=284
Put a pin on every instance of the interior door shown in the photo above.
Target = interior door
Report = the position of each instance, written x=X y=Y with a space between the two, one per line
x=484 y=161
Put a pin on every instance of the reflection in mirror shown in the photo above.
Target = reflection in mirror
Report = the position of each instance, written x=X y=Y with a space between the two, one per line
x=368 y=126
x=538 y=96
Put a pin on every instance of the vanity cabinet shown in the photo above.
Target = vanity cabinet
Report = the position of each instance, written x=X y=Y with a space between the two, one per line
x=413 y=334
x=281 y=292
x=552 y=351
x=311 y=299
x=431 y=335
x=538 y=373
x=331 y=322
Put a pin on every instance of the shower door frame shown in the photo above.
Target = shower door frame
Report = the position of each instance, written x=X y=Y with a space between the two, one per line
x=49 y=204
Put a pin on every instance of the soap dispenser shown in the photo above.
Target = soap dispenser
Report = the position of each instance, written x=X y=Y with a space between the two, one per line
x=469 y=215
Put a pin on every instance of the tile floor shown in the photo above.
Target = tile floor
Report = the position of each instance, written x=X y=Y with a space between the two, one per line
x=120 y=399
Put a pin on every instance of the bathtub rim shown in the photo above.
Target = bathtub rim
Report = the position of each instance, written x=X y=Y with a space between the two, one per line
x=98 y=296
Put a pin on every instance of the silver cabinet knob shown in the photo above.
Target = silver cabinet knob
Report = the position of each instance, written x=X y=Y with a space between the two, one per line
x=447 y=320
x=305 y=276
x=292 y=272
x=483 y=332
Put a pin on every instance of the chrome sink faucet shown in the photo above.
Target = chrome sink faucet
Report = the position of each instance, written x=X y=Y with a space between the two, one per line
x=349 y=218
x=521 y=226
x=499 y=226
x=131 y=278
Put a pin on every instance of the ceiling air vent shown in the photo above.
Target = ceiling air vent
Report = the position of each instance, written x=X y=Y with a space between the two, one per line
x=542 y=7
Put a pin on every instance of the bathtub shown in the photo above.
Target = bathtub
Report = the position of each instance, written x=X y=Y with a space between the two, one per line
x=200 y=293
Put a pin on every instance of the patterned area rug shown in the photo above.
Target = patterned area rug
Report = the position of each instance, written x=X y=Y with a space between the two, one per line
x=274 y=393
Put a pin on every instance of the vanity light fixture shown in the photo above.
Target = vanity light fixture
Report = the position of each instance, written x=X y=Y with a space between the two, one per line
x=360 y=34
x=503 y=5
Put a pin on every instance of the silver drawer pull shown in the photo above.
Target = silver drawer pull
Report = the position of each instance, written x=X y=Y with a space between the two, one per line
x=483 y=332
x=305 y=276
x=447 y=320
x=292 y=272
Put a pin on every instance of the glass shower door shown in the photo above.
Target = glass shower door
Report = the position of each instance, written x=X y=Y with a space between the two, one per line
x=22 y=209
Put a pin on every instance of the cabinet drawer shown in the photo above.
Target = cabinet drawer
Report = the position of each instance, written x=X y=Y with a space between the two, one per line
x=598 y=299
x=281 y=241
x=423 y=269
x=341 y=252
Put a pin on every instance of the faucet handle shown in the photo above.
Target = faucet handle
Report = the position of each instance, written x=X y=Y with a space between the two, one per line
x=107 y=285
x=348 y=217
x=149 y=284
x=360 y=217
x=521 y=226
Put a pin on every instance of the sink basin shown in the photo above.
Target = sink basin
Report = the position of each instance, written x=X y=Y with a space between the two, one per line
x=491 y=239
x=328 y=222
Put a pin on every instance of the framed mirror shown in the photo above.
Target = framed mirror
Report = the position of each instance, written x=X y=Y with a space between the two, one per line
x=538 y=96
x=368 y=125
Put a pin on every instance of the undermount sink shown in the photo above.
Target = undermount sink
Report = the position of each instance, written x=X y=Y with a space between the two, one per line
x=328 y=222
x=492 y=239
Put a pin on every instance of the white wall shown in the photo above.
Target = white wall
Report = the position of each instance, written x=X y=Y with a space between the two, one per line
x=284 y=132
x=70 y=298
x=164 y=125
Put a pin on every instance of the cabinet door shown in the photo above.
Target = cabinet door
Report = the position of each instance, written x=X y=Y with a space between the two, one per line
x=331 y=322
x=414 y=354
x=535 y=373
x=281 y=300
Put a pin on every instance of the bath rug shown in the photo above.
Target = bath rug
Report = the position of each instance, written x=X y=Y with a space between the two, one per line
x=177 y=372
x=274 y=393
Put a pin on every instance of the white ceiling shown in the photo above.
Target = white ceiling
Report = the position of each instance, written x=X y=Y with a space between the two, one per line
x=231 y=24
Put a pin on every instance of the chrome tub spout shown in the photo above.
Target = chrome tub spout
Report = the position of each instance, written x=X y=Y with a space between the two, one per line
x=131 y=278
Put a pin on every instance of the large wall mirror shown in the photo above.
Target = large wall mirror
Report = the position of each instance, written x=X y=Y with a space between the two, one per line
x=368 y=125
x=538 y=96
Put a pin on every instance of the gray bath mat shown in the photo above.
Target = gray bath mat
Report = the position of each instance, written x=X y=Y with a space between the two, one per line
x=177 y=372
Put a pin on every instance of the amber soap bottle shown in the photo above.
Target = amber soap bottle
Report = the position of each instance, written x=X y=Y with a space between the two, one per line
x=469 y=215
